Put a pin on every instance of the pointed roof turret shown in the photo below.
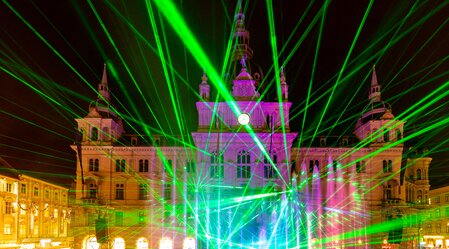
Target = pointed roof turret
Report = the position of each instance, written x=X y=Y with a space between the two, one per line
x=374 y=92
x=284 y=86
x=102 y=105
x=103 y=88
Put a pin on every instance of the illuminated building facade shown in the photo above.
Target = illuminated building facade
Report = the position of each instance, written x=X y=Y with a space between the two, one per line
x=35 y=213
x=435 y=222
x=247 y=182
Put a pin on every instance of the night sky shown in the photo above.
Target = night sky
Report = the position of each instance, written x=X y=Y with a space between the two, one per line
x=52 y=55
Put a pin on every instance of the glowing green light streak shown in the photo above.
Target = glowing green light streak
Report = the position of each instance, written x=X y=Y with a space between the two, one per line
x=312 y=75
x=178 y=24
x=133 y=106
x=364 y=61
x=163 y=62
x=47 y=43
x=277 y=73
x=173 y=16
x=365 y=16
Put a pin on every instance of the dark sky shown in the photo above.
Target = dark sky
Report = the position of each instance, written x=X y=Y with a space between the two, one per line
x=52 y=54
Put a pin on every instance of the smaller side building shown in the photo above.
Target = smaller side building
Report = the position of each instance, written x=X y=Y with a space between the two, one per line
x=436 y=227
x=34 y=213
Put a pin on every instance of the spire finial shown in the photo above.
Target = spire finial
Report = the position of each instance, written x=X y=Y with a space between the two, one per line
x=243 y=61
x=104 y=79
x=374 y=77
x=103 y=89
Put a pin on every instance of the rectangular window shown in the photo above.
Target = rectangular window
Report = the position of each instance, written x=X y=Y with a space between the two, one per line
x=429 y=228
x=92 y=190
x=120 y=165
x=437 y=213
x=437 y=199
x=9 y=187
x=22 y=229
x=47 y=193
x=167 y=191
x=168 y=165
x=438 y=228
x=8 y=207
x=119 y=191
x=22 y=208
x=143 y=192
x=446 y=198
x=118 y=218
x=216 y=171
x=243 y=172
x=36 y=191
x=269 y=171
x=23 y=188
x=7 y=229
x=446 y=211
x=190 y=167
x=143 y=165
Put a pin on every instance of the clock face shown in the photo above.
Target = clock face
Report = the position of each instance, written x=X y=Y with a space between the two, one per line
x=243 y=119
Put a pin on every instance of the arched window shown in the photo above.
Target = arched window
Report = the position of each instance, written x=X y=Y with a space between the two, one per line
x=418 y=174
x=268 y=170
x=398 y=134
x=357 y=167
x=311 y=165
x=119 y=243
x=94 y=135
x=390 y=166
x=386 y=136
x=384 y=166
x=243 y=164
x=142 y=243
x=216 y=169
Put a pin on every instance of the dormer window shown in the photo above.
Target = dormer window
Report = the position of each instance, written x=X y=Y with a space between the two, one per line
x=134 y=141
x=94 y=135
x=322 y=141
x=386 y=136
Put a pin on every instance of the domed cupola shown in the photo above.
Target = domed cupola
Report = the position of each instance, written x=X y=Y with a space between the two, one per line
x=101 y=107
x=243 y=87
x=377 y=108
x=377 y=122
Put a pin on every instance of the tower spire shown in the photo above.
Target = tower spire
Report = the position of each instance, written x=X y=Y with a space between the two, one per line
x=104 y=79
x=374 y=92
x=374 y=76
x=284 y=86
x=103 y=88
